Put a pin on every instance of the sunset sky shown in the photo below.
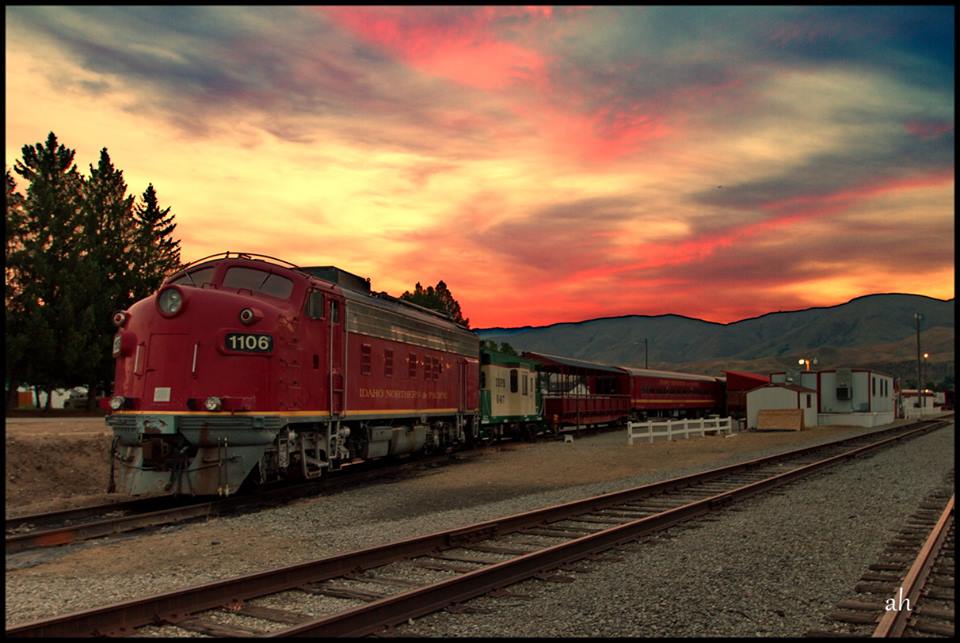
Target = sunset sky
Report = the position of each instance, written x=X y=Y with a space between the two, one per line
x=549 y=164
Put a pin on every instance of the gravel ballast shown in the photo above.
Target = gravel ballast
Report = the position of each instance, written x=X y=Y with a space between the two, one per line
x=722 y=570
x=776 y=566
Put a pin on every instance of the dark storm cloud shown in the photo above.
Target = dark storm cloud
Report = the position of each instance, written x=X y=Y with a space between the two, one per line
x=200 y=66
x=572 y=234
x=715 y=62
x=867 y=164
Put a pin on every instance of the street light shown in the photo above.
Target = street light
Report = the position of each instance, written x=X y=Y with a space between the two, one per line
x=806 y=362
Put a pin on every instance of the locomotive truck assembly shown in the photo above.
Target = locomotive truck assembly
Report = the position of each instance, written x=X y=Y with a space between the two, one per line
x=244 y=367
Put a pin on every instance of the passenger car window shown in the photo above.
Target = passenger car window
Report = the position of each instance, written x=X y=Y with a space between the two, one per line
x=258 y=281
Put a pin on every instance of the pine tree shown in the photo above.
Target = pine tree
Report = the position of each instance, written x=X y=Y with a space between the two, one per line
x=160 y=250
x=16 y=337
x=43 y=261
x=109 y=235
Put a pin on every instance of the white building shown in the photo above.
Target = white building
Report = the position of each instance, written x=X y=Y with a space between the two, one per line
x=782 y=396
x=852 y=396
x=910 y=407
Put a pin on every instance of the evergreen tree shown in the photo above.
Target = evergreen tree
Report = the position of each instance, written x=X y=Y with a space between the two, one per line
x=503 y=347
x=439 y=299
x=16 y=336
x=76 y=250
x=43 y=260
x=110 y=233
x=159 y=249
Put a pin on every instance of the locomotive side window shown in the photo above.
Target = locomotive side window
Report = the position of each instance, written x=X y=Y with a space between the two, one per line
x=483 y=379
x=412 y=365
x=258 y=281
x=198 y=278
x=513 y=380
x=334 y=312
x=525 y=389
x=388 y=363
x=315 y=305
x=365 y=359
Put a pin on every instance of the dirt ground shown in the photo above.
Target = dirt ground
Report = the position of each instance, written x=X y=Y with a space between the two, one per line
x=55 y=463
x=59 y=463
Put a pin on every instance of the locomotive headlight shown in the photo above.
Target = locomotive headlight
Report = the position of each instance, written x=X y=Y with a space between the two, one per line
x=170 y=301
x=213 y=403
x=247 y=316
x=119 y=318
x=117 y=402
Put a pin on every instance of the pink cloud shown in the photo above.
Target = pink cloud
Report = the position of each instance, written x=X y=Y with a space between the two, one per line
x=928 y=129
x=461 y=46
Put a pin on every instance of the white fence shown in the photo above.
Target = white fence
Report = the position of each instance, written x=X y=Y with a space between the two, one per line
x=676 y=428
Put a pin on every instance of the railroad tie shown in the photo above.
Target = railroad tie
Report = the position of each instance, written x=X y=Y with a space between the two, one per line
x=497 y=549
x=460 y=608
x=862 y=618
x=337 y=591
x=443 y=567
x=204 y=626
x=382 y=580
x=466 y=559
x=274 y=614
x=932 y=627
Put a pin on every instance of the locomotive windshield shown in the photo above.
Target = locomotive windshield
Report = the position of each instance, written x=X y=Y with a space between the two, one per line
x=199 y=278
x=258 y=281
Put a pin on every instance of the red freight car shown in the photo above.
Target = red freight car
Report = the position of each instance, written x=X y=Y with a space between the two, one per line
x=245 y=366
x=659 y=393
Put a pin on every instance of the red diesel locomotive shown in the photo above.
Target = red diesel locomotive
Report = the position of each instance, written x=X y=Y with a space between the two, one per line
x=245 y=366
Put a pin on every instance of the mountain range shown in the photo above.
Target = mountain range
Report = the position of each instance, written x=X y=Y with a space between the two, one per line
x=872 y=331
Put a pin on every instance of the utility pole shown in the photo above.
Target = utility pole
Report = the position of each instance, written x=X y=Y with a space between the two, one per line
x=918 y=317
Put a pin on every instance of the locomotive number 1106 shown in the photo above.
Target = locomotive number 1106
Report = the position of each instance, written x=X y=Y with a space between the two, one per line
x=249 y=343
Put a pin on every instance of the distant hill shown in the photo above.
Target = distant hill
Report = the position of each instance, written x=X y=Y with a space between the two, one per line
x=873 y=331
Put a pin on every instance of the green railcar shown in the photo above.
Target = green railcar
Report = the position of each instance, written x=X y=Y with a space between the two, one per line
x=510 y=400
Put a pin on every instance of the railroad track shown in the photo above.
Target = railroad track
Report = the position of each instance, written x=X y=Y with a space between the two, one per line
x=366 y=591
x=909 y=590
x=69 y=526
x=75 y=525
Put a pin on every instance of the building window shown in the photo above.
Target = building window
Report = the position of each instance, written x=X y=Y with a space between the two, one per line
x=483 y=379
x=809 y=403
x=388 y=363
x=365 y=358
x=874 y=386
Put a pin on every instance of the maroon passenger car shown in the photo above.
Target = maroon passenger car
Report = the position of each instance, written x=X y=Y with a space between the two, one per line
x=245 y=366
x=659 y=393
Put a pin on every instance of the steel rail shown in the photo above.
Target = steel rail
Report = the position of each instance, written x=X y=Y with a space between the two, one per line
x=894 y=622
x=373 y=617
x=147 y=516
x=123 y=618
